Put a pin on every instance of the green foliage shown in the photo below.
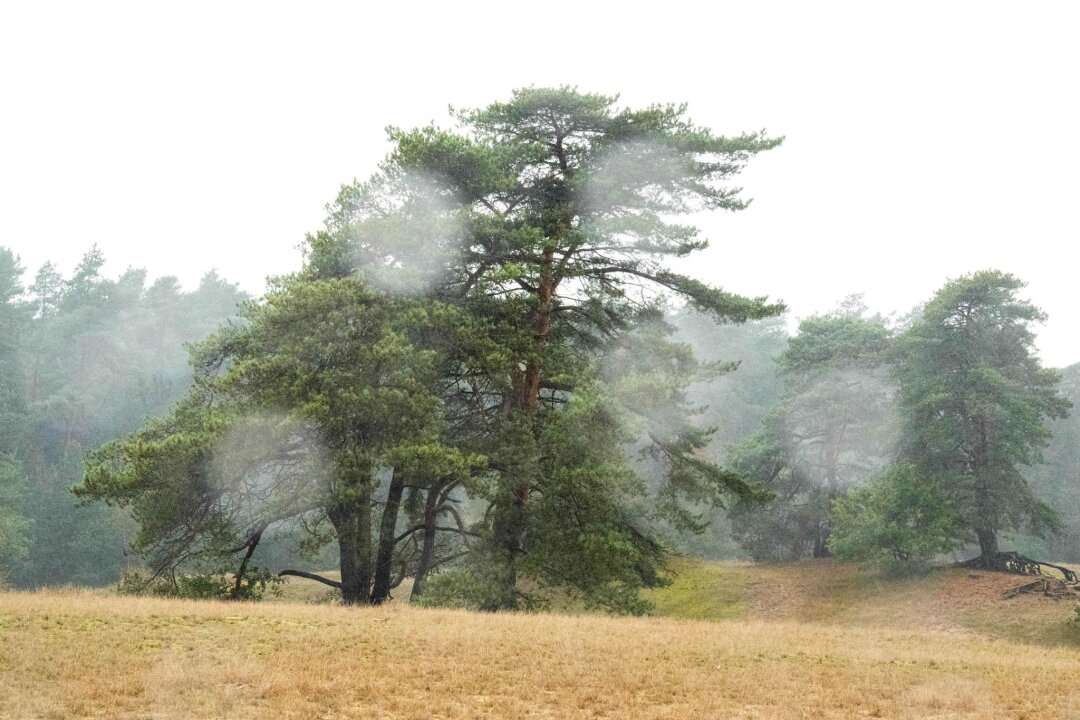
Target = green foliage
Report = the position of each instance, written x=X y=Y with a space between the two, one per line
x=13 y=525
x=476 y=586
x=555 y=216
x=255 y=585
x=898 y=522
x=1054 y=480
x=976 y=402
x=827 y=432
x=83 y=360
x=293 y=416
x=477 y=323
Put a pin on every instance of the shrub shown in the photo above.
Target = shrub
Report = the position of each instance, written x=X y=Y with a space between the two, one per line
x=256 y=584
x=897 y=523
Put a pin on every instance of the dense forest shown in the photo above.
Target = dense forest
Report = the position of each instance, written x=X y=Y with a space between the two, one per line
x=84 y=359
x=80 y=370
x=485 y=379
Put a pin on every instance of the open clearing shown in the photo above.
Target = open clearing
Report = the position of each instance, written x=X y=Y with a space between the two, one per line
x=813 y=641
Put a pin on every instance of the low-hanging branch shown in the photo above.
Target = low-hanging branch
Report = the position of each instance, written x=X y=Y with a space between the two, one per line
x=311 y=576
x=417 y=528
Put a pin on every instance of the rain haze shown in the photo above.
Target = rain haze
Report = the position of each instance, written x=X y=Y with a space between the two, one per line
x=923 y=140
x=375 y=360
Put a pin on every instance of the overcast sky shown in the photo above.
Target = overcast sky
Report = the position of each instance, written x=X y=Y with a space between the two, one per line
x=924 y=140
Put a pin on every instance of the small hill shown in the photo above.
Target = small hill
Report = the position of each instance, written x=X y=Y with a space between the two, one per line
x=947 y=599
x=830 y=593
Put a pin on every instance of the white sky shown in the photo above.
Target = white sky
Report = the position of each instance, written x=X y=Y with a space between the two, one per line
x=924 y=139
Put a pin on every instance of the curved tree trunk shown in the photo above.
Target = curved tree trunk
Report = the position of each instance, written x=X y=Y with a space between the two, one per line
x=427 y=553
x=385 y=553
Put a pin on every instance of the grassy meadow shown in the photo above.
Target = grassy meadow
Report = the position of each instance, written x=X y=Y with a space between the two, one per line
x=815 y=640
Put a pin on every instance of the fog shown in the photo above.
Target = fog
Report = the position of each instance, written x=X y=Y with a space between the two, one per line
x=923 y=141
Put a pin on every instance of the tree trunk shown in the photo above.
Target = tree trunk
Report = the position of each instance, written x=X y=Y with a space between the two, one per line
x=821 y=542
x=508 y=529
x=343 y=518
x=510 y=519
x=238 y=580
x=385 y=553
x=427 y=553
x=988 y=543
x=351 y=519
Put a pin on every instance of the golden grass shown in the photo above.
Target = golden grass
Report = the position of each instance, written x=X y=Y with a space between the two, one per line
x=74 y=654
x=826 y=592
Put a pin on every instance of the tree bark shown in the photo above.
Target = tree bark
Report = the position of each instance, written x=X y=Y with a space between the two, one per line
x=821 y=542
x=427 y=553
x=509 y=524
x=385 y=553
x=988 y=542
x=239 y=580
x=310 y=576
x=351 y=519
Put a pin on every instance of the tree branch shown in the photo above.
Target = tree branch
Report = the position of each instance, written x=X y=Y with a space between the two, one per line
x=311 y=576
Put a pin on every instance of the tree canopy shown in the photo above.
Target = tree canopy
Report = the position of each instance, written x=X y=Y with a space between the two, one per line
x=477 y=335
x=976 y=402
x=828 y=432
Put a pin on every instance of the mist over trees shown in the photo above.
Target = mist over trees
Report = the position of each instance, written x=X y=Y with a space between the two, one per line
x=1055 y=479
x=975 y=407
x=486 y=379
x=514 y=269
x=866 y=434
x=83 y=359
x=829 y=431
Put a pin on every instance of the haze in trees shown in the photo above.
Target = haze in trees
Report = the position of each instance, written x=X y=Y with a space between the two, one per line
x=83 y=359
x=975 y=406
x=1054 y=480
x=829 y=431
x=502 y=263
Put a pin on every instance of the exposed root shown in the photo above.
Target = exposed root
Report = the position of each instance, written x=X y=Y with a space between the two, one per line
x=1012 y=562
x=1050 y=587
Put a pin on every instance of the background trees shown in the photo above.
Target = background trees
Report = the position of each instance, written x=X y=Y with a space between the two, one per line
x=975 y=405
x=83 y=360
x=14 y=319
x=1055 y=479
x=828 y=432
x=476 y=369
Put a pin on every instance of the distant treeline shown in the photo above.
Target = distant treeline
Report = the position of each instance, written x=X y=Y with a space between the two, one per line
x=814 y=436
x=84 y=359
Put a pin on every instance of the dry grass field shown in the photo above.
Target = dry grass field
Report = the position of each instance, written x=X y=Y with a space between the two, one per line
x=813 y=641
